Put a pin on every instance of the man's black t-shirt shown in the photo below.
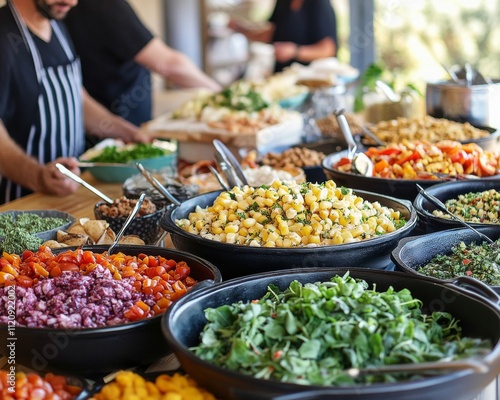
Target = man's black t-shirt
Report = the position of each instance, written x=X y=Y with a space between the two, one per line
x=107 y=36
x=314 y=21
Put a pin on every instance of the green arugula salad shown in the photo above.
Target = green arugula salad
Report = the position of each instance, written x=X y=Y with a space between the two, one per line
x=312 y=333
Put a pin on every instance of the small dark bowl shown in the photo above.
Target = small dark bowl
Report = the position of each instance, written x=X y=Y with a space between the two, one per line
x=326 y=146
x=236 y=260
x=88 y=351
x=428 y=222
x=399 y=188
x=315 y=174
x=409 y=255
x=147 y=227
x=478 y=316
x=134 y=186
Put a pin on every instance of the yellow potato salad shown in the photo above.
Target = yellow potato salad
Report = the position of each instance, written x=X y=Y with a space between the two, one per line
x=289 y=214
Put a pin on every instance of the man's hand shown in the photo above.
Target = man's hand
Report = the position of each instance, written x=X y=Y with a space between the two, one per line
x=51 y=181
x=285 y=51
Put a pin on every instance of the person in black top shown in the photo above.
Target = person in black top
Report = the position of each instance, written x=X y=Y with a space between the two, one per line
x=117 y=54
x=43 y=108
x=300 y=30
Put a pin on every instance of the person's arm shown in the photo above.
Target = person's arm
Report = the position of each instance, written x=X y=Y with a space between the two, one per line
x=100 y=122
x=33 y=175
x=261 y=34
x=174 y=66
x=286 y=51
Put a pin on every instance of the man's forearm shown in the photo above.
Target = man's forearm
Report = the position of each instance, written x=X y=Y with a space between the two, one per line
x=174 y=66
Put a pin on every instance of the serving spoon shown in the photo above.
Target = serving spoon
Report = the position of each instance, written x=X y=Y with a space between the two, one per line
x=438 y=203
x=458 y=365
x=65 y=171
x=360 y=162
x=388 y=92
x=127 y=222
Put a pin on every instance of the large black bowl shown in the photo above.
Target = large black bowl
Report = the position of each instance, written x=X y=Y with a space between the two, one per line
x=239 y=260
x=399 y=188
x=478 y=316
x=428 y=222
x=101 y=350
x=416 y=251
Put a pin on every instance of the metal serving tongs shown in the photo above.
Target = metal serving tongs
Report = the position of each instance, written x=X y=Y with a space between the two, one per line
x=229 y=165
x=360 y=162
x=157 y=184
x=127 y=222
x=65 y=171
x=219 y=178
x=457 y=365
x=438 y=203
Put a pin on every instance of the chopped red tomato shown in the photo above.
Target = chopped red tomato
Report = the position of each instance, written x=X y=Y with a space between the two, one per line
x=343 y=161
x=415 y=155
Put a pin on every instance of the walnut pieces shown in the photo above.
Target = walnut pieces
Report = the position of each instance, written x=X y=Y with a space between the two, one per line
x=123 y=206
x=329 y=126
x=294 y=157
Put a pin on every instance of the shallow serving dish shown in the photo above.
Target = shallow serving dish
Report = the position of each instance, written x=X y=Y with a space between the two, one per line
x=294 y=101
x=137 y=184
x=428 y=222
x=239 y=260
x=119 y=173
x=479 y=317
x=49 y=234
x=89 y=351
x=416 y=251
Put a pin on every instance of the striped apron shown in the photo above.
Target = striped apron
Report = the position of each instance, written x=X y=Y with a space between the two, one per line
x=57 y=130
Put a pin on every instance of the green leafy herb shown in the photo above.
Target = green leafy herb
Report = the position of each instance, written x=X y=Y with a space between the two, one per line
x=311 y=333
x=113 y=154
x=28 y=222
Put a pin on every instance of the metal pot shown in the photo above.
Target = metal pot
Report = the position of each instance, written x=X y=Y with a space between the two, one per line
x=476 y=104
x=239 y=260
x=408 y=256
x=101 y=350
x=478 y=316
x=428 y=222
